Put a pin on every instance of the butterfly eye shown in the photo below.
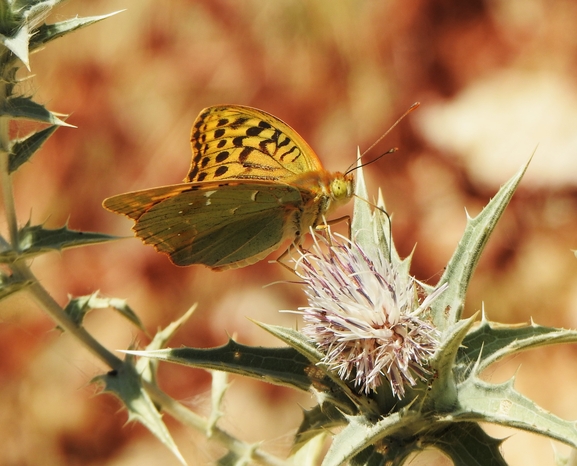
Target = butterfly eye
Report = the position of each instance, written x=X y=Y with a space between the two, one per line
x=341 y=188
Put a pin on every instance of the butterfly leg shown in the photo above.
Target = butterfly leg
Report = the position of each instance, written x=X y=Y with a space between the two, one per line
x=324 y=227
x=281 y=259
x=327 y=224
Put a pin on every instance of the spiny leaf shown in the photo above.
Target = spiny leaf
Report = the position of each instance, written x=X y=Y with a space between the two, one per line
x=78 y=307
x=127 y=386
x=147 y=367
x=49 y=32
x=370 y=457
x=362 y=433
x=219 y=388
x=310 y=452
x=25 y=108
x=19 y=5
x=23 y=149
x=491 y=342
x=18 y=43
x=448 y=307
x=35 y=239
x=443 y=393
x=281 y=366
x=501 y=404
x=27 y=15
x=331 y=382
x=362 y=216
x=316 y=421
x=10 y=285
x=466 y=444
x=33 y=11
x=371 y=227
x=234 y=459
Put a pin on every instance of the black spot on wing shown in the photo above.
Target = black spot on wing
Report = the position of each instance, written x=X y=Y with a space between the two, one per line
x=238 y=141
x=221 y=170
x=238 y=122
x=193 y=173
x=218 y=133
x=201 y=176
x=254 y=131
x=244 y=154
x=222 y=156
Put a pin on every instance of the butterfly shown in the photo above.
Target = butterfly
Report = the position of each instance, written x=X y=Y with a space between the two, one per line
x=253 y=184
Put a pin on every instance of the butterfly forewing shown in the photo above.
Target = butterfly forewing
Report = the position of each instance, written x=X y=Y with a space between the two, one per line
x=245 y=143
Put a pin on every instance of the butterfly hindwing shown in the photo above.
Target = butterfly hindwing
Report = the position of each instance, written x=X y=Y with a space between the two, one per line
x=236 y=142
x=220 y=225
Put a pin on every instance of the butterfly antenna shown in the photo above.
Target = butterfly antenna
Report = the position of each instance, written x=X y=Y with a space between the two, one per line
x=410 y=109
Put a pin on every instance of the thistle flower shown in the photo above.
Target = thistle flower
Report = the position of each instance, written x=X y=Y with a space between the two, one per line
x=365 y=315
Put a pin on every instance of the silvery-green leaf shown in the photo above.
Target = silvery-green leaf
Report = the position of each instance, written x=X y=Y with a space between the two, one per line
x=18 y=43
x=147 y=367
x=480 y=401
x=448 y=307
x=467 y=444
x=10 y=285
x=443 y=390
x=281 y=366
x=491 y=342
x=306 y=348
x=234 y=459
x=23 y=149
x=25 y=108
x=78 y=307
x=48 y=32
x=362 y=433
x=316 y=421
x=127 y=386
x=219 y=388
x=35 y=240
x=310 y=451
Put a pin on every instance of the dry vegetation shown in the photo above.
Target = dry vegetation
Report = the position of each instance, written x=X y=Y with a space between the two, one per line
x=495 y=78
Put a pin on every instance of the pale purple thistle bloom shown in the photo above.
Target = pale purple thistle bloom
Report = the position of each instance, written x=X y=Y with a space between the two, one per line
x=364 y=316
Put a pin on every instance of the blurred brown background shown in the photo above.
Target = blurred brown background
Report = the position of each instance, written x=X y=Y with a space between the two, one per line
x=496 y=80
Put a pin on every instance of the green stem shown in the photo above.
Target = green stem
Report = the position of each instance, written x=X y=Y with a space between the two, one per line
x=5 y=178
x=52 y=308
x=189 y=418
x=20 y=269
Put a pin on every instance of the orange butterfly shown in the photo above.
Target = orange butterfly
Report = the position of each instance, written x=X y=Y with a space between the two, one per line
x=253 y=184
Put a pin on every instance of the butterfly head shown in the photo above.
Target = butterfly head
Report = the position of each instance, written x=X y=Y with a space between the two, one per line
x=342 y=188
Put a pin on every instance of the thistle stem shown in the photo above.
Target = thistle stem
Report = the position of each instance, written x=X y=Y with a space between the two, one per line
x=5 y=178
x=52 y=308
